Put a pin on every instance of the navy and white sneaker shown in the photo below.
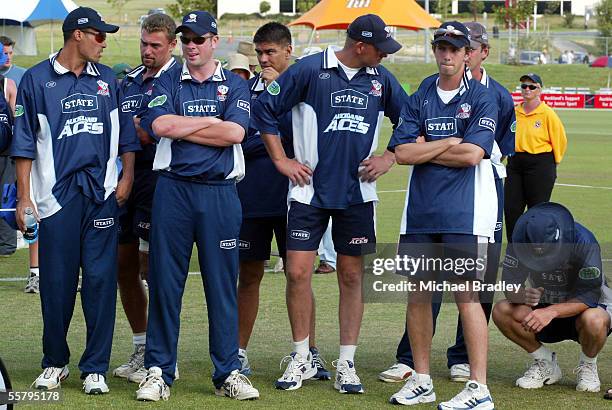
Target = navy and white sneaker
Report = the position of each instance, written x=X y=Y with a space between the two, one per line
x=418 y=389
x=475 y=396
x=322 y=372
x=347 y=380
x=298 y=369
x=245 y=367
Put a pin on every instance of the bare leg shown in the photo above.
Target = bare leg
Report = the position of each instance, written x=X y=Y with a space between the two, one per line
x=299 y=291
x=420 y=329
x=508 y=318
x=475 y=332
x=592 y=326
x=351 y=303
x=251 y=274
x=131 y=289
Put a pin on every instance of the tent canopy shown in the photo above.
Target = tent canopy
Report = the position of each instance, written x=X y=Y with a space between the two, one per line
x=338 y=14
x=37 y=12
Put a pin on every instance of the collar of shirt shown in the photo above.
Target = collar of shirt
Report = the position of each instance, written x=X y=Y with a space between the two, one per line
x=138 y=73
x=484 y=80
x=539 y=109
x=330 y=60
x=218 y=75
x=259 y=84
x=90 y=68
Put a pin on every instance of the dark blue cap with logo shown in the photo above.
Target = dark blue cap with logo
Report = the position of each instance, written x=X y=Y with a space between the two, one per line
x=533 y=77
x=540 y=234
x=371 y=29
x=86 y=17
x=200 y=22
x=453 y=32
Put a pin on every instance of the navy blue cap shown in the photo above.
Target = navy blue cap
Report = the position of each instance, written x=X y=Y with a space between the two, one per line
x=371 y=29
x=200 y=22
x=86 y=17
x=533 y=77
x=452 y=32
x=540 y=234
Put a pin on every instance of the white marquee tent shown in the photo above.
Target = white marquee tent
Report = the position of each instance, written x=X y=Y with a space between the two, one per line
x=18 y=18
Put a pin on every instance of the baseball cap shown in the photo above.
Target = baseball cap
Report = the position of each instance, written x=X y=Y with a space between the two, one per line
x=478 y=34
x=371 y=29
x=533 y=77
x=86 y=17
x=452 y=32
x=121 y=69
x=239 y=62
x=200 y=22
x=540 y=234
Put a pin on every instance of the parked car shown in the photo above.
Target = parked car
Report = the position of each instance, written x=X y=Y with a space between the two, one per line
x=530 y=57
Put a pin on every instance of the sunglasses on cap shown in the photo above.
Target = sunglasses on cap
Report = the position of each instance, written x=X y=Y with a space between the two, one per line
x=98 y=36
x=442 y=31
x=532 y=87
x=198 y=41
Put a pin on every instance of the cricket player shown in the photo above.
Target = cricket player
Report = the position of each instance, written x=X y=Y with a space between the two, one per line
x=157 y=42
x=69 y=120
x=5 y=124
x=567 y=297
x=263 y=195
x=200 y=116
x=338 y=99
x=447 y=132
x=502 y=147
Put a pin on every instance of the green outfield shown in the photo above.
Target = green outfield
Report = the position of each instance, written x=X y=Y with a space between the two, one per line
x=585 y=179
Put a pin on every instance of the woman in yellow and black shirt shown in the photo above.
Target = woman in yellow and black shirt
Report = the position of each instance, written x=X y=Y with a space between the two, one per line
x=540 y=145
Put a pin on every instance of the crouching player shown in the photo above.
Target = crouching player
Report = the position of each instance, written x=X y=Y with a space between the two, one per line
x=569 y=300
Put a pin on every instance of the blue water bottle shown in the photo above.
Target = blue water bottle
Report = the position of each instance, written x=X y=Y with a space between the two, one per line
x=31 y=233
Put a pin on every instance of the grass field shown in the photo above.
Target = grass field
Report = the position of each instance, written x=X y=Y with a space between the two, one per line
x=587 y=163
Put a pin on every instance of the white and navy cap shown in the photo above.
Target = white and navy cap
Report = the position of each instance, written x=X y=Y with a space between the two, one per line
x=86 y=17
x=200 y=22
x=371 y=29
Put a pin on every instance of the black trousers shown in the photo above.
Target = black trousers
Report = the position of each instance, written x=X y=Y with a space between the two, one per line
x=530 y=181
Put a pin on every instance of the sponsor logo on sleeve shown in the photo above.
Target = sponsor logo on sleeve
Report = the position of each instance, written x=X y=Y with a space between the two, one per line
x=79 y=102
x=487 y=123
x=19 y=110
x=4 y=118
x=274 y=88
x=103 y=223
x=244 y=105
x=132 y=103
x=510 y=261
x=244 y=244
x=227 y=244
x=200 y=108
x=589 y=273
x=513 y=127
x=441 y=126
x=157 y=101
x=349 y=99
x=300 y=235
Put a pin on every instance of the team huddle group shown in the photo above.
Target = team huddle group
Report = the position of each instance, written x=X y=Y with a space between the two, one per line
x=210 y=158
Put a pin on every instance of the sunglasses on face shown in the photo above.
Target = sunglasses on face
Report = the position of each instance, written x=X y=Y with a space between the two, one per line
x=448 y=32
x=99 y=37
x=529 y=86
x=198 y=41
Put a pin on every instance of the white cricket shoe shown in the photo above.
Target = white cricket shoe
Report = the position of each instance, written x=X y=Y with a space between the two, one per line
x=399 y=372
x=153 y=387
x=460 y=372
x=95 y=384
x=134 y=363
x=346 y=380
x=139 y=375
x=237 y=386
x=541 y=372
x=245 y=367
x=587 y=378
x=298 y=369
x=51 y=378
x=418 y=389
x=475 y=396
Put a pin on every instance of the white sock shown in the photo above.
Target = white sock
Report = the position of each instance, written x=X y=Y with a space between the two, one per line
x=480 y=385
x=543 y=353
x=301 y=347
x=421 y=377
x=242 y=352
x=139 y=338
x=347 y=352
x=34 y=271
x=586 y=359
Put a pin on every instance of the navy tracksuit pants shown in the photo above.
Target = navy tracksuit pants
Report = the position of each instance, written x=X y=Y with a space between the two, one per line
x=210 y=215
x=82 y=234
x=457 y=354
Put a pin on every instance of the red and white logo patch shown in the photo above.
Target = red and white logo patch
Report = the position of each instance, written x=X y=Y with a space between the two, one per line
x=222 y=92
x=377 y=88
x=102 y=88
